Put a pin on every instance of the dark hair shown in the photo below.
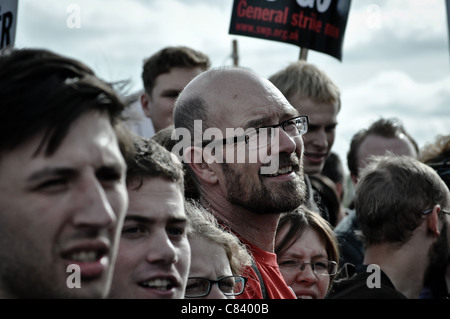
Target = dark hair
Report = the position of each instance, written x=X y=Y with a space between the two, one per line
x=326 y=197
x=41 y=91
x=174 y=56
x=390 y=196
x=388 y=128
x=333 y=168
x=298 y=222
x=150 y=159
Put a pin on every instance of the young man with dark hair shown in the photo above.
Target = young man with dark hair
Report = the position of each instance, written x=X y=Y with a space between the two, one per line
x=403 y=209
x=164 y=75
x=154 y=253
x=62 y=177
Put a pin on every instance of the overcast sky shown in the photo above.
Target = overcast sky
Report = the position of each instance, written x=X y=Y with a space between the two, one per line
x=395 y=55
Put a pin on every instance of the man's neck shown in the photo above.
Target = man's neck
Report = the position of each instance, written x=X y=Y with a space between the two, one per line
x=404 y=266
x=257 y=229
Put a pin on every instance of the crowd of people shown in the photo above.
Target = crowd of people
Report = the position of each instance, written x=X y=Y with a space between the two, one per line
x=237 y=195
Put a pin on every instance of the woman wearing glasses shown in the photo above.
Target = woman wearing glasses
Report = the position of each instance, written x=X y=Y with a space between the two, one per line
x=307 y=253
x=217 y=258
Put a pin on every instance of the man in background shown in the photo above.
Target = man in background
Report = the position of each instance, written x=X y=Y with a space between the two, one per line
x=312 y=93
x=164 y=76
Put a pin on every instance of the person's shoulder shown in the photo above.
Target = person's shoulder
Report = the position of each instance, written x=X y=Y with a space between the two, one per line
x=364 y=285
x=348 y=287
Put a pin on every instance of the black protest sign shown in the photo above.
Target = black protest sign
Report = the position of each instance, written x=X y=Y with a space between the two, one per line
x=8 y=22
x=314 y=24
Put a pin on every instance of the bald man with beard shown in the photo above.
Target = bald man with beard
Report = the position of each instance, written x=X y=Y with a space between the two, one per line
x=248 y=166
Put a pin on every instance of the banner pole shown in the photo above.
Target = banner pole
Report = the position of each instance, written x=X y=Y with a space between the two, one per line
x=235 y=54
x=303 y=53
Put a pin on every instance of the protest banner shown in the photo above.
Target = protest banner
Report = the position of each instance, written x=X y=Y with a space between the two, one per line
x=8 y=23
x=314 y=24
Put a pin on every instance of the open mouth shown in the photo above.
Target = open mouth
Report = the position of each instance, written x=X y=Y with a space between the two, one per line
x=282 y=171
x=158 y=283
x=91 y=258
x=85 y=256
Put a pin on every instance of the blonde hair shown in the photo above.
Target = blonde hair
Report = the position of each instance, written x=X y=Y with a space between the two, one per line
x=436 y=151
x=305 y=80
x=203 y=224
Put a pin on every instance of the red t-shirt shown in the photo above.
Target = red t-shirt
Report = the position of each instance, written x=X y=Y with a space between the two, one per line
x=267 y=265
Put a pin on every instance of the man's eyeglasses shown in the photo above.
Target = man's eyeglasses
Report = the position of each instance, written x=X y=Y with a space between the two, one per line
x=200 y=287
x=322 y=267
x=265 y=135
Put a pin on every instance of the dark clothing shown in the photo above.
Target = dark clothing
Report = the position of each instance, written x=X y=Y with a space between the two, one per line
x=357 y=287
x=312 y=198
x=351 y=247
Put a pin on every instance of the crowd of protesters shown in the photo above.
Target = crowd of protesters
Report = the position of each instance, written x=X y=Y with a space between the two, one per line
x=238 y=194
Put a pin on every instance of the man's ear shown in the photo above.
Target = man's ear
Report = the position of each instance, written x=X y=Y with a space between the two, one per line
x=201 y=166
x=432 y=220
x=145 y=103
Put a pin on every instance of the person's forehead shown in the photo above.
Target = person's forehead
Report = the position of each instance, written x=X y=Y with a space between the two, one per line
x=318 y=112
x=90 y=142
x=379 y=145
x=158 y=198
x=248 y=103
x=177 y=77
x=204 y=249
x=309 y=244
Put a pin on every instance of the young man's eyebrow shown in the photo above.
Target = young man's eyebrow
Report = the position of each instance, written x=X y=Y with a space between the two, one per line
x=149 y=220
x=300 y=256
x=47 y=172
x=138 y=218
x=178 y=220
x=170 y=92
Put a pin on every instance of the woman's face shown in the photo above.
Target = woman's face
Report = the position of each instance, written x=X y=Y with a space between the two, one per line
x=209 y=260
x=309 y=248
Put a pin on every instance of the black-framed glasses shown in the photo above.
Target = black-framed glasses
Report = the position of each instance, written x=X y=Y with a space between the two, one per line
x=265 y=135
x=201 y=287
x=427 y=211
x=320 y=267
